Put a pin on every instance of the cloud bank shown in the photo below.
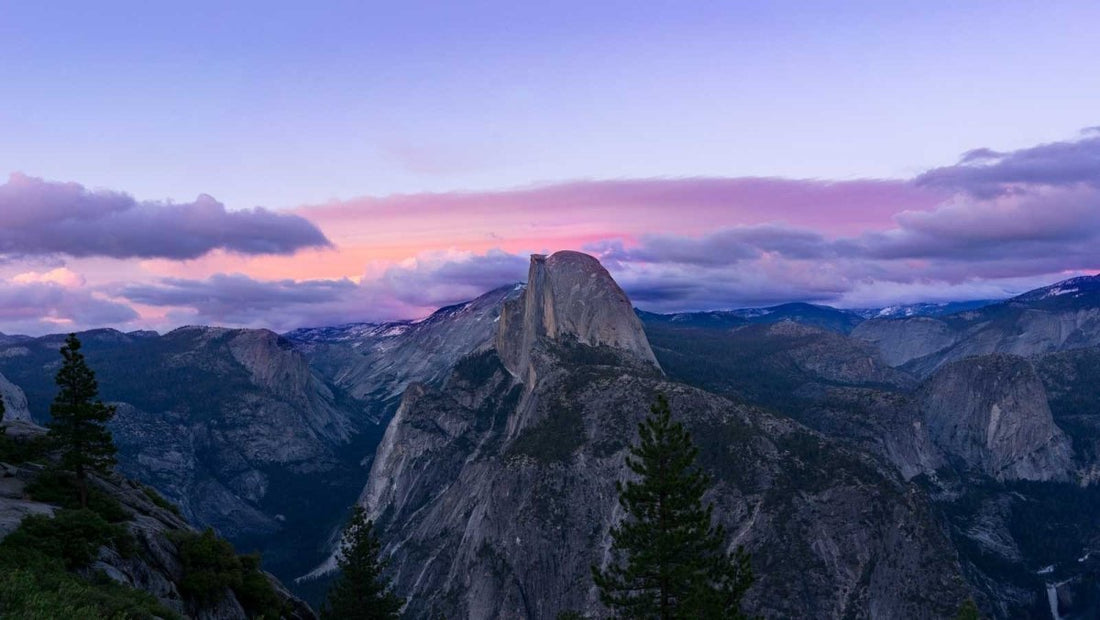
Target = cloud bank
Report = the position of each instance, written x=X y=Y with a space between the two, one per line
x=992 y=225
x=40 y=217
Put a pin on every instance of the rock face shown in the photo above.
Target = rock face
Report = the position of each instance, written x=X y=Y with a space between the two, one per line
x=15 y=402
x=991 y=413
x=569 y=295
x=902 y=340
x=375 y=362
x=496 y=492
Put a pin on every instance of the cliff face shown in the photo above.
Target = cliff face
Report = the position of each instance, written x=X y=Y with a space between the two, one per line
x=15 y=402
x=569 y=295
x=496 y=491
x=992 y=413
x=374 y=363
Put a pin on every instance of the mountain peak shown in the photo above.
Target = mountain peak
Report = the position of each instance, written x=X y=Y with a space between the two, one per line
x=569 y=295
x=1073 y=288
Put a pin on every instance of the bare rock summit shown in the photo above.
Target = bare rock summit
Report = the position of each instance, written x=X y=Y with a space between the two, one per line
x=569 y=296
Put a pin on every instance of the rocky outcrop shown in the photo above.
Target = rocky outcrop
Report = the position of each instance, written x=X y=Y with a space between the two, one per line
x=15 y=402
x=569 y=295
x=991 y=414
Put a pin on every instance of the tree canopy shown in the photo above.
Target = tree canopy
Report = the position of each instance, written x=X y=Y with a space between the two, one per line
x=361 y=592
x=669 y=559
x=78 y=424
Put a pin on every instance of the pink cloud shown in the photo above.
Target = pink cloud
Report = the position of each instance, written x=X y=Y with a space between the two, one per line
x=62 y=276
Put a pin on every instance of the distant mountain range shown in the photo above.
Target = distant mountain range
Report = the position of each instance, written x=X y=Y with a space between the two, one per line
x=485 y=438
x=818 y=315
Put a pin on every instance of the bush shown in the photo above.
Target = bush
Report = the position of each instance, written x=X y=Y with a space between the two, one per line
x=57 y=487
x=72 y=536
x=159 y=500
x=256 y=593
x=37 y=586
x=22 y=450
x=211 y=568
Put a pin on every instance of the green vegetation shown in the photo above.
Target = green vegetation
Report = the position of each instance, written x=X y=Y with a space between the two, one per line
x=669 y=557
x=361 y=592
x=477 y=368
x=79 y=418
x=554 y=438
x=60 y=488
x=37 y=560
x=968 y=611
x=211 y=568
x=21 y=450
x=72 y=536
x=159 y=501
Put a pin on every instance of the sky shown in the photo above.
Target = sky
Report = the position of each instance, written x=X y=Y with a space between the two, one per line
x=270 y=164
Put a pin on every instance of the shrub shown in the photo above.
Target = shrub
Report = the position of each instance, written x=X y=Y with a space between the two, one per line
x=211 y=568
x=22 y=450
x=72 y=536
x=256 y=594
x=159 y=500
x=57 y=487
x=37 y=586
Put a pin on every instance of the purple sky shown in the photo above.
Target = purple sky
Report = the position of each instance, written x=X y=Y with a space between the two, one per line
x=277 y=164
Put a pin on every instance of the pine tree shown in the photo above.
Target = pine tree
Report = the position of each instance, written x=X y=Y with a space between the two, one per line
x=78 y=424
x=360 y=592
x=669 y=560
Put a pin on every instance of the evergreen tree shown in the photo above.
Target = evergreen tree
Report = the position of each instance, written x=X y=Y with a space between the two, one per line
x=669 y=560
x=360 y=592
x=78 y=424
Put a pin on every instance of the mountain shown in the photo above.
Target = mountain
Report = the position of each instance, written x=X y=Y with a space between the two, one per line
x=824 y=317
x=374 y=362
x=992 y=414
x=266 y=438
x=880 y=467
x=495 y=491
x=1055 y=318
x=924 y=309
x=768 y=364
x=1004 y=446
